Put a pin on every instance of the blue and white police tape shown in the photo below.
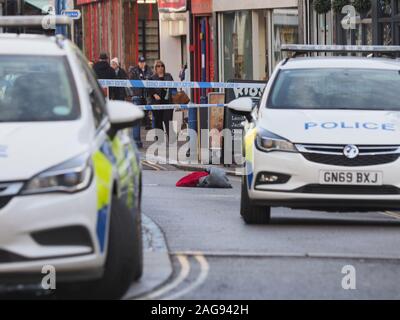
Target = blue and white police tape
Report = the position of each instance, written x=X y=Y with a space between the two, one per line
x=176 y=84
x=178 y=106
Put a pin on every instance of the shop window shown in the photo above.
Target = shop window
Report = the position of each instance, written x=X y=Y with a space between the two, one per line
x=285 y=31
x=237 y=45
x=385 y=8
x=388 y=20
x=386 y=35
x=362 y=35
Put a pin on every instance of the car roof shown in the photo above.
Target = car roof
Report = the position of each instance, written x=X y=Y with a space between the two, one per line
x=28 y=44
x=342 y=62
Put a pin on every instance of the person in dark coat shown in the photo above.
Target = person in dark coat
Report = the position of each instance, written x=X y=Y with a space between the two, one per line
x=140 y=95
x=161 y=96
x=140 y=72
x=104 y=71
x=120 y=74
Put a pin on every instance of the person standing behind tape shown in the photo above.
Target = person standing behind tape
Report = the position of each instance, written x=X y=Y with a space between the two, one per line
x=140 y=72
x=161 y=96
x=104 y=71
x=120 y=74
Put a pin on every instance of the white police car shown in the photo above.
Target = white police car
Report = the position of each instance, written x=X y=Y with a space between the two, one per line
x=70 y=178
x=325 y=135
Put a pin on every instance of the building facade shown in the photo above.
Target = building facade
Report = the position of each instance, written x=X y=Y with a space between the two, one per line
x=380 y=25
x=250 y=34
x=175 y=33
x=124 y=29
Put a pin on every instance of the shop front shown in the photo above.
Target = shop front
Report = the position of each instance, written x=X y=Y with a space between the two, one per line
x=378 y=23
x=110 y=26
x=174 y=35
x=249 y=37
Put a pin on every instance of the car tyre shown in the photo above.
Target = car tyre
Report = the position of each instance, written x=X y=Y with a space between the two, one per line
x=252 y=214
x=124 y=262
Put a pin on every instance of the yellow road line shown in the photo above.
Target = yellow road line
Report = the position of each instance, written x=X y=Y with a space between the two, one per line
x=151 y=166
x=204 y=269
x=183 y=274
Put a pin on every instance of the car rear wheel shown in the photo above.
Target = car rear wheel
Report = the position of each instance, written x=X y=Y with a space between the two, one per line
x=252 y=214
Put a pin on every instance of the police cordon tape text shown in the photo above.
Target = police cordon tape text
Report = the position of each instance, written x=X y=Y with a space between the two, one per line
x=178 y=106
x=177 y=84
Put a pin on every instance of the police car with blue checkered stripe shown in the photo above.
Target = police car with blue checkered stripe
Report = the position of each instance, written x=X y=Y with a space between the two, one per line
x=70 y=179
x=325 y=134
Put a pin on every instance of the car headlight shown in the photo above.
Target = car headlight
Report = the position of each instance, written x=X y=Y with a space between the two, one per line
x=71 y=176
x=268 y=141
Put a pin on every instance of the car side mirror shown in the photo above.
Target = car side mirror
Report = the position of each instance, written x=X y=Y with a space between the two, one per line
x=242 y=106
x=123 y=115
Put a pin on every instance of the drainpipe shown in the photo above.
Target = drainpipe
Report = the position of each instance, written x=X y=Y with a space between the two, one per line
x=60 y=6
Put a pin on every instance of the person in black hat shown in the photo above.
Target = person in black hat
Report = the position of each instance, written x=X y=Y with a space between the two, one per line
x=104 y=71
x=140 y=72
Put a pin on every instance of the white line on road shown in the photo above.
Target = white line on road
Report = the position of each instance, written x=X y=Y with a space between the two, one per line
x=315 y=255
x=185 y=269
x=392 y=214
x=204 y=269
x=216 y=196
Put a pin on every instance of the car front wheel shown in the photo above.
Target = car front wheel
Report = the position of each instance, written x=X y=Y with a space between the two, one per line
x=252 y=214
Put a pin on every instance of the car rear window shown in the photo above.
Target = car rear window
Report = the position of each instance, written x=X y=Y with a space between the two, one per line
x=37 y=88
x=336 y=88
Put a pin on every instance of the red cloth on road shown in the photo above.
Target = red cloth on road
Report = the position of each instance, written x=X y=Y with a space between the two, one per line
x=192 y=180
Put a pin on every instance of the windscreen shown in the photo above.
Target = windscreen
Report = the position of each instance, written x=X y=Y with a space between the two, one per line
x=351 y=89
x=36 y=88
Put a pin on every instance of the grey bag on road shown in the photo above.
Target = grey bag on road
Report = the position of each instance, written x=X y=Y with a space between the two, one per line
x=216 y=179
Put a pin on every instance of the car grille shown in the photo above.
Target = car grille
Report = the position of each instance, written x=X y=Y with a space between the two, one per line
x=9 y=257
x=4 y=201
x=333 y=155
x=359 y=190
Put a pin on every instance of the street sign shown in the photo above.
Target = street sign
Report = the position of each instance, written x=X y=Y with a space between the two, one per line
x=73 y=14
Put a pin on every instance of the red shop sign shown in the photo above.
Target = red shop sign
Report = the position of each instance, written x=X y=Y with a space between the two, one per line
x=202 y=6
x=171 y=5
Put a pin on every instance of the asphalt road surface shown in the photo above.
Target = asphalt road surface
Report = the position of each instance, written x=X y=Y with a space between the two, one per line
x=301 y=255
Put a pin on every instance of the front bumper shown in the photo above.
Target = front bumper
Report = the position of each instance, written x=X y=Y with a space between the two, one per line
x=303 y=190
x=35 y=232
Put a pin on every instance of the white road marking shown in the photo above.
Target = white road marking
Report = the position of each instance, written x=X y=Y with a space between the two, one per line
x=204 y=269
x=185 y=269
x=315 y=255
x=216 y=196
x=392 y=214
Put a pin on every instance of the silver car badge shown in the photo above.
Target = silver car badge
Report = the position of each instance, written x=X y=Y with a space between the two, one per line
x=351 y=151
